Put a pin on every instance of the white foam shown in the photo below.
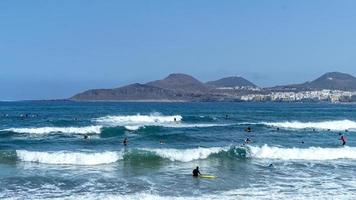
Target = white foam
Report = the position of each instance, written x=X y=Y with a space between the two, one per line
x=336 y=125
x=127 y=120
x=271 y=192
x=47 y=130
x=311 y=153
x=71 y=158
x=180 y=125
x=135 y=122
x=132 y=128
x=186 y=155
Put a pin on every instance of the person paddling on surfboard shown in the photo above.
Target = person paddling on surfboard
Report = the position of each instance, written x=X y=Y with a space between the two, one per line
x=196 y=172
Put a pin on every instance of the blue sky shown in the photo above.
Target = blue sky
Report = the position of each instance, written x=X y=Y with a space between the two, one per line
x=54 y=49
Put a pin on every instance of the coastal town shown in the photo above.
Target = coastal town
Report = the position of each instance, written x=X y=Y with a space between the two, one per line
x=333 y=96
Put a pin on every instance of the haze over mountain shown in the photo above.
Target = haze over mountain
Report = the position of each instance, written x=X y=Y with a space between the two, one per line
x=233 y=81
x=183 y=87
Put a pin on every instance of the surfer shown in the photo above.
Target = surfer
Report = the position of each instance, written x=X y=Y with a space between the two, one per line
x=196 y=172
x=126 y=141
x=248 y=129
x=161 y=142
x=343 y=139
x=86 y=137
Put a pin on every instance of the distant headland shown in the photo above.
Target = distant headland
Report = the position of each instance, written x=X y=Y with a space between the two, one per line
x=330 y=87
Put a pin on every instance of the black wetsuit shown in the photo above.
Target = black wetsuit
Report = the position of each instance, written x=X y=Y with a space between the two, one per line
x=196 y=172
x=343 y=139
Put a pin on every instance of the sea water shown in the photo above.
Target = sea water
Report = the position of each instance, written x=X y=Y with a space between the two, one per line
x=295 y=151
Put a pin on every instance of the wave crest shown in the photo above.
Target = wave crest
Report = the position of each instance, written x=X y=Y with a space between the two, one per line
x=47 y=130
x=311 y=153
x=336 y=125
x=73 y=158
x=186 y=155
x=124 y=120
x=135 y=122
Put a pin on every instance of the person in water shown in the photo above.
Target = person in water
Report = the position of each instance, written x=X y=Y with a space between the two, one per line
x=86 y=137
x=248 y=129
x=196 y=172
x=343 y=139
x=126 y=141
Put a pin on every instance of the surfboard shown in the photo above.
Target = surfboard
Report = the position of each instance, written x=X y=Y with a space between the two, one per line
x=207 y=176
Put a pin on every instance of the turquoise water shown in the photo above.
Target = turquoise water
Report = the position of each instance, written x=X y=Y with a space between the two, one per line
x=43 y=153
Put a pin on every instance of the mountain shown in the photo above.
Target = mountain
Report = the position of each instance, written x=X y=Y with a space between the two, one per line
x=181 y=83
x=329 y=81
x=175 y=87
x=133 y=92
x=233 y=81
x=183 y=87
x=334 y=81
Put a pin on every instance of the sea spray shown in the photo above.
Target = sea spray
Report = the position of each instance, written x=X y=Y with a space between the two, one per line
x=70 y=158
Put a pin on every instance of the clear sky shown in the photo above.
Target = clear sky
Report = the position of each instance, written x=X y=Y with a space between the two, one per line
x=54 y=49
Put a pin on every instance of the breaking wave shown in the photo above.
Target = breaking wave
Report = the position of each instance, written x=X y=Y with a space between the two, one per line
x=135 y=122
x=178 y=125
x=70 y=158
x=244 y=193
x=47 y=130
x=127 y=120
x=186 y=155
x=336 y=125
x=255 y=152
x=311 y=153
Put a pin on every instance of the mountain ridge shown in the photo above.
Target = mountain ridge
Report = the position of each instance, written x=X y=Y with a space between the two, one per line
x=179 y=82
x=183 y=87
x=327 y=81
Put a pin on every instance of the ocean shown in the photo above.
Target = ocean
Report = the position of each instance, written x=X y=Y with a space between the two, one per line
x=294 y=153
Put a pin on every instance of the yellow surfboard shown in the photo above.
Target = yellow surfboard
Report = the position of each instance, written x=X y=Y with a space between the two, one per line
x=207 y=176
